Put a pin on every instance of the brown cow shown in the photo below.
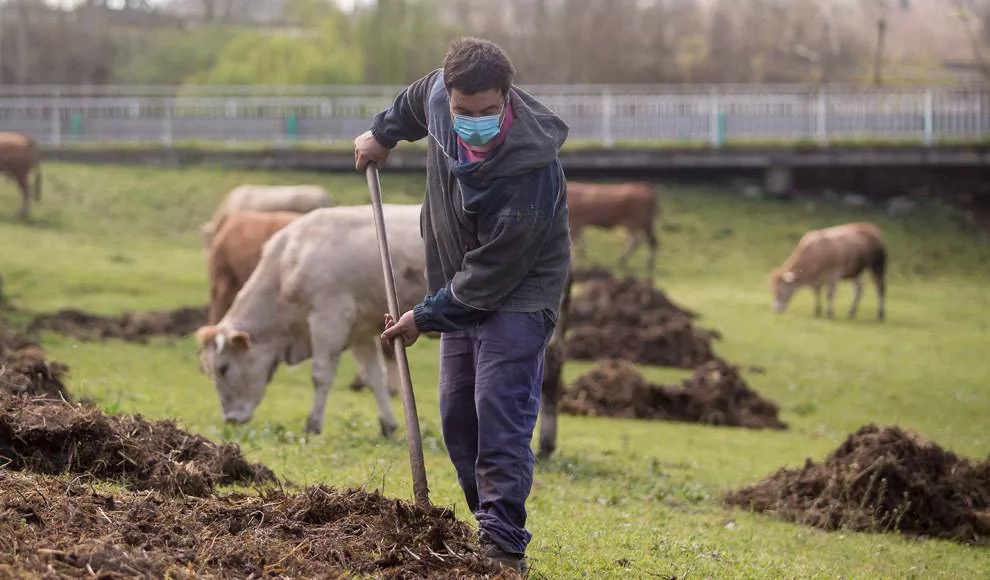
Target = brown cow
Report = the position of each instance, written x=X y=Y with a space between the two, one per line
x=235 y=253
x=828 y=255
x=19 y=155
x=633 y=206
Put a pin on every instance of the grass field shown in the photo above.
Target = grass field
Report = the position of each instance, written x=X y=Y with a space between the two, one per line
x=622 y=498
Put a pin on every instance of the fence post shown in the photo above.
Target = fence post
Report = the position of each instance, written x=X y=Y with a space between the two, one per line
x=607 y=137
x=75 y=126
x=292 y=127
x=980 y=124
x=821 y=118
x=167 y=135
x=56 y=121
x=929 y=129
x=716 y=121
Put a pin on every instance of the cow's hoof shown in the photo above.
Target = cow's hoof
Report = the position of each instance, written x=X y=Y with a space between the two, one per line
x=313 y=426
x=357 y=384
x=387 y=429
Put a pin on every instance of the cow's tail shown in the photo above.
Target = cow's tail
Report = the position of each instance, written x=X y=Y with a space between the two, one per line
x=879 y=264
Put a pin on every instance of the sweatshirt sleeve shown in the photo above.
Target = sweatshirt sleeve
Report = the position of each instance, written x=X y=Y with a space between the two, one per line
x=406 y=118
x=512 y=236
x=441 y=313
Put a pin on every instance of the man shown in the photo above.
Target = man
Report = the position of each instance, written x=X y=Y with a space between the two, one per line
x=494 y=223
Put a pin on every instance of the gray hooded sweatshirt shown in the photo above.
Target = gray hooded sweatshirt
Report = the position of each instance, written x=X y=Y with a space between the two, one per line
x=495 y=230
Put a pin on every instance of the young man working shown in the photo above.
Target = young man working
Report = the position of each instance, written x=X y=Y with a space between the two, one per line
x=494 y=223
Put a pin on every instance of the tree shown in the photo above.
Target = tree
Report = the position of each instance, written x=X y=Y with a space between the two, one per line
x=324 y=55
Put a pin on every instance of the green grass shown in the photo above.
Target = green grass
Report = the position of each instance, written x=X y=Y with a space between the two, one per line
x=622 y=498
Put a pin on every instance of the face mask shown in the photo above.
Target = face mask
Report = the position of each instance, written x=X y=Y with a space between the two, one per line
x=478 y=131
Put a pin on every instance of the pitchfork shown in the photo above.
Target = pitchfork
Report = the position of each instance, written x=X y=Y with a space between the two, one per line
x=420 y=489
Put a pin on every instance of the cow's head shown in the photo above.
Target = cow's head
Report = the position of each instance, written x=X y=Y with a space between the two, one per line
x=782 y=286
x=240 y=370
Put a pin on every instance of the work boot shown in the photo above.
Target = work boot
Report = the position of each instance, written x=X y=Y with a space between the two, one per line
x=508 y=559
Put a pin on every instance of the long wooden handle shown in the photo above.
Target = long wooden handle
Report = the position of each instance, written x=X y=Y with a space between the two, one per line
x=420 y=488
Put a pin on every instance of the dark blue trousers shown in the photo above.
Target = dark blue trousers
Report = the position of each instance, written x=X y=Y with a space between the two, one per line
x=490 y=379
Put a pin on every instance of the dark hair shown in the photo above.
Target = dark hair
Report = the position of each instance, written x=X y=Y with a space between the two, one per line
x=473 y=65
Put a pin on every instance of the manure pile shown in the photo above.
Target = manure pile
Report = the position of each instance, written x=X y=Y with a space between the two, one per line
x=881 y=479
x=714 y=394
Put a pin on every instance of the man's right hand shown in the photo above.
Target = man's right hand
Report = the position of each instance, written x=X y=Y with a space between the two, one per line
x=367 y=149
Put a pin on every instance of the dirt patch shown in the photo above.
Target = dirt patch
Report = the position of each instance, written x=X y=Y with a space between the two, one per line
x=715 y=394
x=134 y=327
x=50 y=526
x=628 y=319
x=54 y=437
x=882 y=480
x=168 y=521
x=24 y=369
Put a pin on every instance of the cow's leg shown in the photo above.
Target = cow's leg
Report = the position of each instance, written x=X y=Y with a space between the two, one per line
x=329 y=338
x=635 y=239
x=552 y=388
x=368 y=355
x=651 y=264
x=879 y=269
x=22 y=182
x=358 y=383
x=392 y=370
x=577 y=237
x=818 y=300
x=830 y=296
x=857 y=294
x=550 y=393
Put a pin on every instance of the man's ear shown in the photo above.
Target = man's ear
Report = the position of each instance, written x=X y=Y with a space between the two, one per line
x=240 y=340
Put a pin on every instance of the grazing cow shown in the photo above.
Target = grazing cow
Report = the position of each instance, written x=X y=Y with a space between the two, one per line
x=633 y=206
x=296 y=198
x=19 y=156
x=317 y=291
x=234 y=255
x=552 y=390
x=828 y=255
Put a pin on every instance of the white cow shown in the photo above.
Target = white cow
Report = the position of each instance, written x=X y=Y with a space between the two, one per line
x=317 y=291
x=301 y=198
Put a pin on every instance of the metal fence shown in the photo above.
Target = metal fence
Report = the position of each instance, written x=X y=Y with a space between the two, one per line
x=602 y=115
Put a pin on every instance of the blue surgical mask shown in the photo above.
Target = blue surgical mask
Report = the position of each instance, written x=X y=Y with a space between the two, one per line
x=478 y=131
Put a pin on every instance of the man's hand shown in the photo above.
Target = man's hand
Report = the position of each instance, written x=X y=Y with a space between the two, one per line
x=406 y=328
x=367 y=149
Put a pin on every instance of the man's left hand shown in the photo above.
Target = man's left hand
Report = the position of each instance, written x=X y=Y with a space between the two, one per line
x=405 y=327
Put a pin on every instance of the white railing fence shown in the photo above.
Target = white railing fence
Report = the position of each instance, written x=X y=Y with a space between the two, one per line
x=602 y=115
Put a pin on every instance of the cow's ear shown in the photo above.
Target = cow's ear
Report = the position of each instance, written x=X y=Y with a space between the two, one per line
x=206 y=334
x=240 y=340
